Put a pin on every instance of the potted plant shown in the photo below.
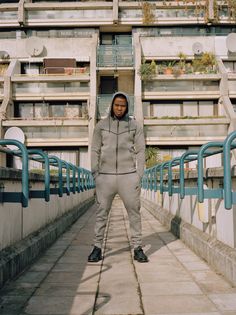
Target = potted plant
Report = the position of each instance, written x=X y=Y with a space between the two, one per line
x=147 y=70
x=148 y=10
x=208 y=60
x=168 y=67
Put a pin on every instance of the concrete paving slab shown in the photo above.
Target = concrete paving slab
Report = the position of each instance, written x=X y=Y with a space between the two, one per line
x=114 y=305
x=80 y=304
x=174 y=282
x=18 y=289
x=41 y=267
x=169 y=288
x=74 y=267
x=32 y=277
x=225 y=302
x=198 y=265
x=71 y=277
x=177 y=304
x=158 y=276
x=210 y=287
x=12 y=304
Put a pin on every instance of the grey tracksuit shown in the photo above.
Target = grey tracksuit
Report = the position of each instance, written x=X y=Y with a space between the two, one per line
x=118 y=158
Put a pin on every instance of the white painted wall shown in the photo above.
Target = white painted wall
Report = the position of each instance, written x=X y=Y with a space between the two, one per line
x=17 y=222
x=171 y=46
x=79 y=48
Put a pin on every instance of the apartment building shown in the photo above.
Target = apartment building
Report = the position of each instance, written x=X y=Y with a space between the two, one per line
x=60 y=62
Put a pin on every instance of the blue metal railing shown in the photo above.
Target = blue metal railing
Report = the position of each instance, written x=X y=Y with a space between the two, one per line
x=115 y=55
x=80 y=178
x=154 y=180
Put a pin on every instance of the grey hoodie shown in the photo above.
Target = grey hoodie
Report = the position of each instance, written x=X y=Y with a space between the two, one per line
x=118 y=146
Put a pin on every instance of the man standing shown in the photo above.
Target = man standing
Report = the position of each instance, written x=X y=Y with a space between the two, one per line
x=118 y=158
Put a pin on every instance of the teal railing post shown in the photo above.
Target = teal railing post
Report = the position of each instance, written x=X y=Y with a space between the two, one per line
x=181 y=170
x=67 y=167
x=170 y=174
x=60 y=178
x=73 y=168
x=228 y=199
x=162 y=167
x=201 y=155
x=79 y=189
x=25 y=168
x=46 y=173
x=155 y=177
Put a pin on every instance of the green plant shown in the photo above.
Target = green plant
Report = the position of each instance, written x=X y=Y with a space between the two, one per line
x=148 y=10
x=152 y=156
x=147 y=70
x=231 y=4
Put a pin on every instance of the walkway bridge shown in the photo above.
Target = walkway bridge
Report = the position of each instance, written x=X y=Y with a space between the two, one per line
x=189 y=235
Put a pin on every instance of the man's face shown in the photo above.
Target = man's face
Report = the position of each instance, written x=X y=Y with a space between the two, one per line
x=119 y=107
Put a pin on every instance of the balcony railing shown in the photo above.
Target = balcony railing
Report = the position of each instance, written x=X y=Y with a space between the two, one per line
x=69 y=15
x=115 y=56
x=55 y=132
x=180 y=86
x=104 y=103
x=186 y=129
x=50 y=87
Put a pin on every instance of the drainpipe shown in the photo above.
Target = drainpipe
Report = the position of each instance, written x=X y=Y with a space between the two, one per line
x=93 y=93
x=138 y=107
x=226 y=102
x=7 y=99
x=21 y=13
x=115 y=11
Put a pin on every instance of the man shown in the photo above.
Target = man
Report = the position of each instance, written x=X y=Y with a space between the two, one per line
x=118 y=158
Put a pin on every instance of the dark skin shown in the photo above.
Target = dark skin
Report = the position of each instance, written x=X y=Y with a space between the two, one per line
x=119 y=107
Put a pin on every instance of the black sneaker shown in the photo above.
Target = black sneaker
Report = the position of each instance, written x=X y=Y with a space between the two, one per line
x=139 y=255
x=95 y=255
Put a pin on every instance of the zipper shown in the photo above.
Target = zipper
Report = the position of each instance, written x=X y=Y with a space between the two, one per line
x=117 y=145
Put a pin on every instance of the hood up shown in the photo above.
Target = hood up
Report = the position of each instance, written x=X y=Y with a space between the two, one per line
x=126 y=115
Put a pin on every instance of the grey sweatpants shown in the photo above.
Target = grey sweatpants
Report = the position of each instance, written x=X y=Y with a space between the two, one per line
x=128 y=188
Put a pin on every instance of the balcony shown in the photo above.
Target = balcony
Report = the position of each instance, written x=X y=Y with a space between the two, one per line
x=9 y=15
x=104 y=103
x=114 y=56
x=71 y=13
x=186 y=86
x=185 y=131
x=51 y=87
x=43 y=134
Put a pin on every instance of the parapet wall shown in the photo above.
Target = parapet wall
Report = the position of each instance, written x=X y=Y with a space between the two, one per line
x=207 y=228
x=26 y=232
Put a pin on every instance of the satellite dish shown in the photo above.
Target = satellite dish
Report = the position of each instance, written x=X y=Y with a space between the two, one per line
x=197 y=48
x=231 y=42
x=33 y=46
x=14 y=133
x=4 y=54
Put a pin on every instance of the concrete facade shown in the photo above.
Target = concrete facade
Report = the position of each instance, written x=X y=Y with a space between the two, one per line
x=81 y=30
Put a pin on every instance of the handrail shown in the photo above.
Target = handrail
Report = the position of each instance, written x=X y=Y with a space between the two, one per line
x=47 y=171
x=150 y=178
x=84 y=181
x=25 y=168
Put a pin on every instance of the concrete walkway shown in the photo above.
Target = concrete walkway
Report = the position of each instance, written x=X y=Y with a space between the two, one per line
x=175 y=281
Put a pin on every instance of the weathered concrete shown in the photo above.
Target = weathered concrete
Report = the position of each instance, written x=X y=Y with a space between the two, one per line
x=174 y=282
x=220 y=256
x=14 y=259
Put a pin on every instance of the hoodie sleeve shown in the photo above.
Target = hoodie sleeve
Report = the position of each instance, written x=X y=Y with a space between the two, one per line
x=139 y=143
x=96 y=150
